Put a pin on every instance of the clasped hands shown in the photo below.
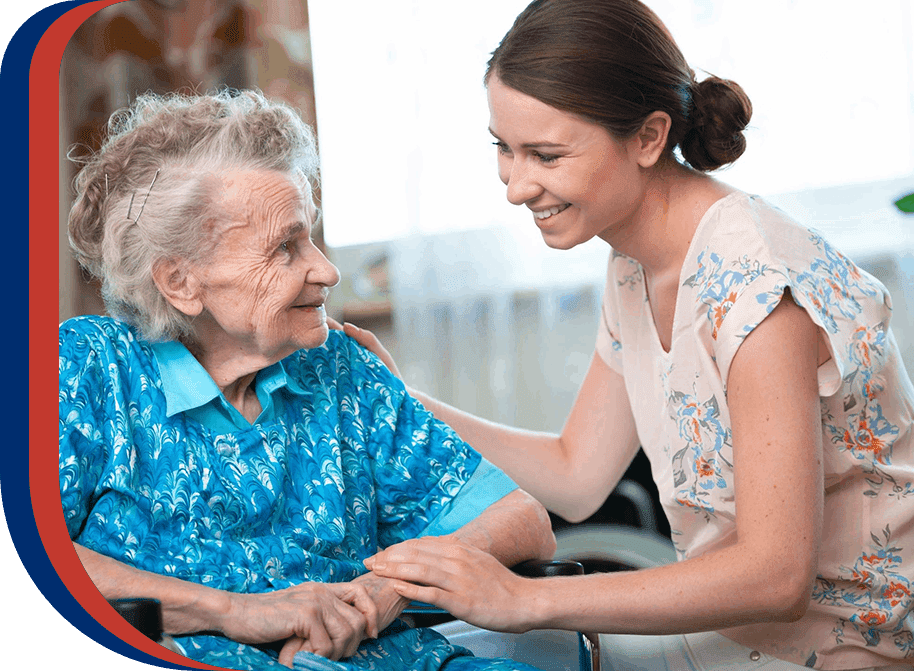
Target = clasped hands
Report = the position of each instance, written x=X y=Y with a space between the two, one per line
x=332 y=619
x=327 y=619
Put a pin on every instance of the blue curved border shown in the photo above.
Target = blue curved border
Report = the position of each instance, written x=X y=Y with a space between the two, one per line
x=14 y=465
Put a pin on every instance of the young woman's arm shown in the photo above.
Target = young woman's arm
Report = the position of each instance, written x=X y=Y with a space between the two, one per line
x=571 y=473
x=765 y=575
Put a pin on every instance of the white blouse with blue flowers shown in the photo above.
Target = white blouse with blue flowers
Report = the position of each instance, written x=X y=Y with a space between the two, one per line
x=743 y=256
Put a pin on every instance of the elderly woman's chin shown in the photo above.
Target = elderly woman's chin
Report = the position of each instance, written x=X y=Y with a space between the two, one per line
x=312 y=329
x=304 y=327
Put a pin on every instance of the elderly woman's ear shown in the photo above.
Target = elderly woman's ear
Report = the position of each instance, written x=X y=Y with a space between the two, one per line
x=178 y=285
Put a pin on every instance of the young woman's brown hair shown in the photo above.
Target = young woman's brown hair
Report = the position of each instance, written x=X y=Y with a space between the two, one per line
x=613 y=62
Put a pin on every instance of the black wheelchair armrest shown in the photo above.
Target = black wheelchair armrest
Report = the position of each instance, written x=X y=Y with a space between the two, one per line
x=548 y=568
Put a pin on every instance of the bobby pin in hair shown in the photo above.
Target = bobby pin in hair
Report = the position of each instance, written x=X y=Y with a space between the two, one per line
x=143 y=206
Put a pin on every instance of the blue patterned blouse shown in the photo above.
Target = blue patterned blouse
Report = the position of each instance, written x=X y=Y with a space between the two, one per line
x=158 y=471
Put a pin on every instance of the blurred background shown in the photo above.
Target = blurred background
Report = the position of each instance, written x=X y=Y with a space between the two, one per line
x=458 y=283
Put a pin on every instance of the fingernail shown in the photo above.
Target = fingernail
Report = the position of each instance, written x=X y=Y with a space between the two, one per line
x=378 y=566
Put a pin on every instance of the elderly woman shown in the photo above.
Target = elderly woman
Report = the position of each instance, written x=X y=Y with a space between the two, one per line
x=220 y=450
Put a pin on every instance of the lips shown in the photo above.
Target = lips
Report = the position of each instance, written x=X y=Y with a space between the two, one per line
x=311 y=302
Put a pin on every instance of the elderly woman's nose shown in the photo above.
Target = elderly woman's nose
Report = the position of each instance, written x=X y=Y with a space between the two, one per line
x=323 y=272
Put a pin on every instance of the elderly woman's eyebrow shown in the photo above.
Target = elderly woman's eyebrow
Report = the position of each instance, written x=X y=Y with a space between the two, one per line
x=289 y=231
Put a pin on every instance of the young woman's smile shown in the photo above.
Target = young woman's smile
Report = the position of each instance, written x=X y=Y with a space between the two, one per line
x=576 y=179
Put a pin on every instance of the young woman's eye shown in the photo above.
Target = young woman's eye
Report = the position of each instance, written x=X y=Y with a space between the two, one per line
x=545 y=158
x=502 y=147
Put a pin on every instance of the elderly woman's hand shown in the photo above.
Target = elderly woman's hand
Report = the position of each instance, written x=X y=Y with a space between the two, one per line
x=387 y=606
x=329 y=620
x=388 y=602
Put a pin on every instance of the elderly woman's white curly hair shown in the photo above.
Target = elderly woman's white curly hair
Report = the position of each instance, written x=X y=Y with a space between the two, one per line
x=181 y=143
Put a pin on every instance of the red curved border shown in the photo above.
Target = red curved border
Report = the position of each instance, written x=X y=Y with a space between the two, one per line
x=44 y=199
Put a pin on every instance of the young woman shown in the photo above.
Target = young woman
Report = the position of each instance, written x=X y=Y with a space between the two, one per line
x=752 y=361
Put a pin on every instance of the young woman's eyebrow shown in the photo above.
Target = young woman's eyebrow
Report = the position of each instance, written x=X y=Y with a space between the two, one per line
x=534 y=145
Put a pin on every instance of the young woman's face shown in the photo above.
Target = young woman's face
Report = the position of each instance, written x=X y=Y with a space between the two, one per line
x=577 y=180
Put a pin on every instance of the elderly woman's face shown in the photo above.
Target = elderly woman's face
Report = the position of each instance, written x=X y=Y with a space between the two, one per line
x=263 y=292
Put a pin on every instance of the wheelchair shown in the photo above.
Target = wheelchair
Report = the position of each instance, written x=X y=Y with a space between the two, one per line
x=633 y=541
x=582 y=548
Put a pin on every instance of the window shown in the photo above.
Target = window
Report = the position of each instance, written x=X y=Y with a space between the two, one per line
x=402 y=114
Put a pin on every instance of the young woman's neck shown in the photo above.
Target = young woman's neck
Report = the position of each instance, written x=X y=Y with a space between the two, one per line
x=674 y=200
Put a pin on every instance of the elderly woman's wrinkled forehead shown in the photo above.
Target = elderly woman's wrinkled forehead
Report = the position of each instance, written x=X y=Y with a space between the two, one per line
x=244 y=195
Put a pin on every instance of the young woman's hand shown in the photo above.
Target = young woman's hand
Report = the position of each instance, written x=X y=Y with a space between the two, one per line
x=369 y=341
x=468 y=583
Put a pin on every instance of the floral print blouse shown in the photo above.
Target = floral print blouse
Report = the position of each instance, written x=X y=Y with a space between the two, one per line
x=743 y=256
x=158 y=473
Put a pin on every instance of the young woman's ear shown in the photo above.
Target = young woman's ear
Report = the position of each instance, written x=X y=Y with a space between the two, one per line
x=179 y=286
x=650 y=141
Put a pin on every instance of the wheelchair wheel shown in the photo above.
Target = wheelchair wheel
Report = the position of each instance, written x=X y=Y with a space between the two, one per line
x=603 y=548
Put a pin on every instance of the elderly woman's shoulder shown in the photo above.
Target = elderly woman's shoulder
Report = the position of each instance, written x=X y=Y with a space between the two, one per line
x=97 y=332
x=95 y=326
x=341 y=355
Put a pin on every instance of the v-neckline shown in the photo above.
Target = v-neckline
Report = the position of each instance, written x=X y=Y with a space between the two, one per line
x=655 y=334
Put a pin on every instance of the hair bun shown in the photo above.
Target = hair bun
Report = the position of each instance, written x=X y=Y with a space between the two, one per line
x=720 y=112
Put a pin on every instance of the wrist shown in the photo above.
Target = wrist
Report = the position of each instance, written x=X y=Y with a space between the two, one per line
x=533 y=603
x=219 y=609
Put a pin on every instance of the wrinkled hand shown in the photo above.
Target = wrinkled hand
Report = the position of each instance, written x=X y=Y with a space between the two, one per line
x=468 y=583
x=329 y=620
x=369 y=341
x=387 y=600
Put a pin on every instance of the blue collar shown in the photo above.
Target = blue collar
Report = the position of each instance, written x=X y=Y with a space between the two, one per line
x=188 y=386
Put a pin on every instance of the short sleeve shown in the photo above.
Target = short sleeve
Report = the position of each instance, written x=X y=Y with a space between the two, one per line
x=609 y=342
x=426 y=478
x=487 y=485
x=847 y=304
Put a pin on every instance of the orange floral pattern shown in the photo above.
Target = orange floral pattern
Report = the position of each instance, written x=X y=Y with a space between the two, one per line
x=879 y=592
x=743 y=257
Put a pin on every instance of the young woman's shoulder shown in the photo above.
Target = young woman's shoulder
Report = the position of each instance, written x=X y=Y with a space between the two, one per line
x=747 y=253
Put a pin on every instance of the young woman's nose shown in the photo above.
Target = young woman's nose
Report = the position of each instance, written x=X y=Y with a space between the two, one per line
x=521 y=185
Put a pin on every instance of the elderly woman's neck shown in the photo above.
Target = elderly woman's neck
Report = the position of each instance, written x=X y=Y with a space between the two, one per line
x=234 y=373
x=242 y=395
